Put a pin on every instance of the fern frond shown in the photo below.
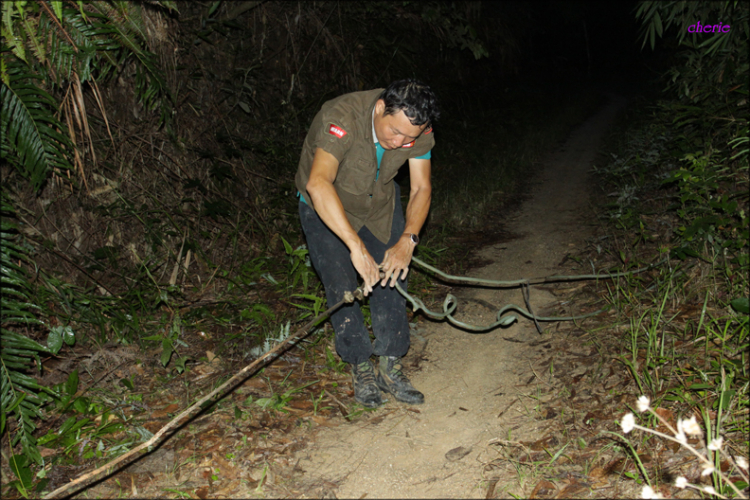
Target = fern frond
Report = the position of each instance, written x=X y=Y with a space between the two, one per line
x=13 y=38
x=36 y=43
x=21 y=396
x=126 y=23
x=127 y=16
x=31 y=128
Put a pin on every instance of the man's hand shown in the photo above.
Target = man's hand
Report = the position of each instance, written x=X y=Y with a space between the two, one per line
x=365 y=266
x=397 y=259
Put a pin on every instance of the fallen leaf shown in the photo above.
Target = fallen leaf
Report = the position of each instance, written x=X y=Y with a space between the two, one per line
x=322 y=421
x=491 y=488
x=377 y=420
x=604 y=484
x=597 y=472
x=574 y=490
x=153 y=427
x=301 y=404
x=228 y=491
x=255 y=383
x=670 y=419
x=543 y=489
x=545 y=443
x=215 y=447
x=223 y=464
x=165 y=411
x=457 y=454
x=615 y=466
x=593 y=417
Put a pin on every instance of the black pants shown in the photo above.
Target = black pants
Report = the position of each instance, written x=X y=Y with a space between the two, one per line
x=332 y=261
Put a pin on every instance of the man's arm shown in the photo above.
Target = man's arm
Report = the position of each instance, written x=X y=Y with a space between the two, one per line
x=398 y=257
x=328 y=206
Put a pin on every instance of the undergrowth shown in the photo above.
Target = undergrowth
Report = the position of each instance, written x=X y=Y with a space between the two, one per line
x=677 y=191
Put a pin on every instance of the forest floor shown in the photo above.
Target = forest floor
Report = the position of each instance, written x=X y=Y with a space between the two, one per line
x=510 y=412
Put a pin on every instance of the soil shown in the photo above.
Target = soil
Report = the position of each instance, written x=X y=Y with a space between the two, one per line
x=507 y=412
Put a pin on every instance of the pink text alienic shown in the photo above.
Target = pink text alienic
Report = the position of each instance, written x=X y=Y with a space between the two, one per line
x=716 y=28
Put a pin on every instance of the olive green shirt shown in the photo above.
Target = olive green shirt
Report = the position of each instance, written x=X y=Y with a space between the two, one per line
x=343 y=128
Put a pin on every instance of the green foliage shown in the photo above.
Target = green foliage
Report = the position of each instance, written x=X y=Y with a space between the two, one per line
x=710 y=79
x=318 y=305
x=680 y=181
x=300 y=269
x=31 y=139
x=21 y=396
x=658 y=17
x=169 y=344
x=49 y=49
x=335 y=363
x=94 y=427
x=710 y=212
x=707 y=123
x=278 y=401
x=21 y=467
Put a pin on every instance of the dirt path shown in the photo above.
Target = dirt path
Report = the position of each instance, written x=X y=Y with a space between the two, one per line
x=478 y=387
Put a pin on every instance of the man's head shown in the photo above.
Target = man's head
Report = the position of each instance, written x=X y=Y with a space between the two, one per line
x=404 y=110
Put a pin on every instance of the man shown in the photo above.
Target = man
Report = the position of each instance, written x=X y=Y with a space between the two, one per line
x=350 y=209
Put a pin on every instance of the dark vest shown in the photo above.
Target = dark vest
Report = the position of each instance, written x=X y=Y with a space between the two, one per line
x=343 y=128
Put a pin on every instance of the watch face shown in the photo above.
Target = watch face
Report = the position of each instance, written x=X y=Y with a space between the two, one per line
x=414 y=238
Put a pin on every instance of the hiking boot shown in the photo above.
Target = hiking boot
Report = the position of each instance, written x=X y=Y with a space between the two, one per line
x=365 y=389
x=391 y=380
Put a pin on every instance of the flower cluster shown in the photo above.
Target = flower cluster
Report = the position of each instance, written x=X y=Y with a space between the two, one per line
x=687 y=427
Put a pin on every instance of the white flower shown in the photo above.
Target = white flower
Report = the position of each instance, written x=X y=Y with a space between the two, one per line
x=680 y=436
x=643 y=403
x=707 y=470
x=742 y=462
x=715 y=444
x=691 y=426
x=628 y=423
x=648 y=492
x=681 y=483
x=709 y=490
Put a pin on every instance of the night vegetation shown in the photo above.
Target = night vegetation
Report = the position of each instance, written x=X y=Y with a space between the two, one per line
x=149 y=217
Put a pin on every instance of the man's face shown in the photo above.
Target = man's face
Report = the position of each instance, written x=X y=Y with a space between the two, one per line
x=394 y=130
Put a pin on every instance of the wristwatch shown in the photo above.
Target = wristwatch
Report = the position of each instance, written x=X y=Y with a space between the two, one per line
x=414 y=238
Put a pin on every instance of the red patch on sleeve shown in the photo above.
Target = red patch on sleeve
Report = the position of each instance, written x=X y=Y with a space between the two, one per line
x=409 y=144
x=337 y=131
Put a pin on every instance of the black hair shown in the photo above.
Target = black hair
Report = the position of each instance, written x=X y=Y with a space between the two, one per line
x=415 y=98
